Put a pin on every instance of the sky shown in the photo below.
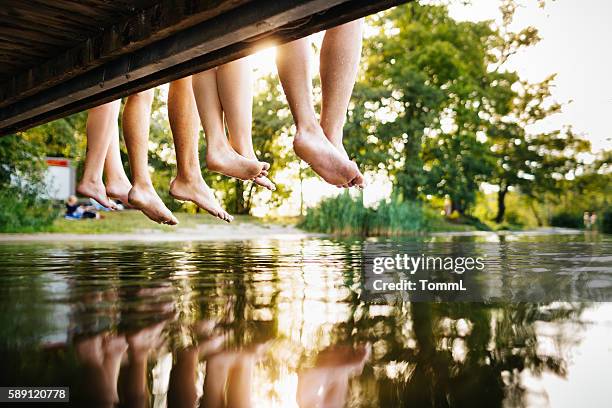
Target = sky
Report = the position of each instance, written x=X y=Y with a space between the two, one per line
x=574 y=46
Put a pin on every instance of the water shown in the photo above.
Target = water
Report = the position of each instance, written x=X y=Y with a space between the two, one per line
x=151 y=324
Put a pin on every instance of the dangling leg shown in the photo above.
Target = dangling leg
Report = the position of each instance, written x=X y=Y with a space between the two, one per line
x=339 y=63
x=235 y=85
x=101 y=121
x=117 y=182
x=220 y=157
x=184 y=122
x=310 y=143
x=136 y=119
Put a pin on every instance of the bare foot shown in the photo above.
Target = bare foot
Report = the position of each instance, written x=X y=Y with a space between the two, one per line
x=201 y=195
x=118 y=190
x=146 y=339
x=262 y=179
x=315 y=149
x=146 y=200
x=265 y=182
x=97 y=191
x=227 y=162
x=337 y=142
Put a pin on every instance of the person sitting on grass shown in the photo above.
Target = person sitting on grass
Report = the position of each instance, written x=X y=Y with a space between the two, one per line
x=76 y=211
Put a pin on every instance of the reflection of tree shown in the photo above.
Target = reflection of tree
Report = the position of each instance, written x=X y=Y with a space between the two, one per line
x=498 y=343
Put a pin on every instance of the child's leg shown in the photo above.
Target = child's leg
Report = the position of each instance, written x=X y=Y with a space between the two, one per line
x=184 y=122
x=220 y=157
x=136 y=119
x=117 y=182
x=100 y=122
x=339 y=63
x=235 y=86
x=310 y=142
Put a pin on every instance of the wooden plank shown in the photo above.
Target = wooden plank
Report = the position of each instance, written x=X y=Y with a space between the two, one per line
x=144 y=28
x=227 y=37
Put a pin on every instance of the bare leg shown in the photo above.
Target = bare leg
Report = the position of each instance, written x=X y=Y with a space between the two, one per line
x=101 y=122
x=340 y=54
x=140 y=345
x=310 y=142
x=117 y=183
x=136 y=118
x=101 y=357
x=220 y=157
x=235 y=84
x=326 y=384
x=184 y=122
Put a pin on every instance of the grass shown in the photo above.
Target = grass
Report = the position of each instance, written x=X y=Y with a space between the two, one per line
x=134 y=221
x=346 y=215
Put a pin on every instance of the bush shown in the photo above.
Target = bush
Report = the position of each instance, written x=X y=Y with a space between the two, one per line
x=606 y=222
x=567 y=219
x=346 y=215
x=24 y=212
x=337 y=215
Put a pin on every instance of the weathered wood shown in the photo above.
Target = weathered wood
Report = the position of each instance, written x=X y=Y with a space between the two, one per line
x=144 y=27
x=233 y=34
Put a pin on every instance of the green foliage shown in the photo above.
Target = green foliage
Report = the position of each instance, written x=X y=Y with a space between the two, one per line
x=567 y=219
x=396 y=217
x=24 y=212
x=346 y=215
x=338 y=215
x=21 y=167
x=606 y=222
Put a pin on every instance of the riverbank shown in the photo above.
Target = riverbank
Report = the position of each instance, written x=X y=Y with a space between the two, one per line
x=133 y=226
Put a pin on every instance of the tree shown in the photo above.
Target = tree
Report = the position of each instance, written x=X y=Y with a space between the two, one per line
x=533 y=163
x=419 y=100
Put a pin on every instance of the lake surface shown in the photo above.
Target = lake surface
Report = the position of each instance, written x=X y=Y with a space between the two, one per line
x=171 y=324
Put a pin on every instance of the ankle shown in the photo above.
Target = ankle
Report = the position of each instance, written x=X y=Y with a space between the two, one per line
x=188 y=178
x=310 y=126
x=142 y=185
x=333 y=133
x=113 y=181
x=90 y=179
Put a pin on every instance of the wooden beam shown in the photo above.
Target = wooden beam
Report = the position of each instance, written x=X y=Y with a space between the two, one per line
x=144 y=27
x=229 y=36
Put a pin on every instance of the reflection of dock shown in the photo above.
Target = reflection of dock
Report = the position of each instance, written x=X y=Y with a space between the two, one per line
x=59 y=58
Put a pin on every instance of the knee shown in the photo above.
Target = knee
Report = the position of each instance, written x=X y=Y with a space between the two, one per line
x=145 y=97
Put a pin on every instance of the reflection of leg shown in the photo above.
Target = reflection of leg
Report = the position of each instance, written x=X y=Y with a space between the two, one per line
x=220 y=157
x=117 y=183
x=101 y=123
x=310 y=143
x=235 y=86
x=184 y=122
x=101 y=357
x=136 y=119
x=182 y=390
x=340 y=53
x=327 y=383
x=240 y=381
x=229 y=378
x=140 y=344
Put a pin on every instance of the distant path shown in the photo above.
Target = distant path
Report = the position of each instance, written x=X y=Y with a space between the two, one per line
x=203 y=232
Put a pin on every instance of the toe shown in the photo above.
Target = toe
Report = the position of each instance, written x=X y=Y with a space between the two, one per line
x=358 y=181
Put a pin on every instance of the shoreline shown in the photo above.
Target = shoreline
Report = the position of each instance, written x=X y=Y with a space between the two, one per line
x=238 y=232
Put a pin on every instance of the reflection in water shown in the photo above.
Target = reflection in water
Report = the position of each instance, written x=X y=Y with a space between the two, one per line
x=263 y=323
